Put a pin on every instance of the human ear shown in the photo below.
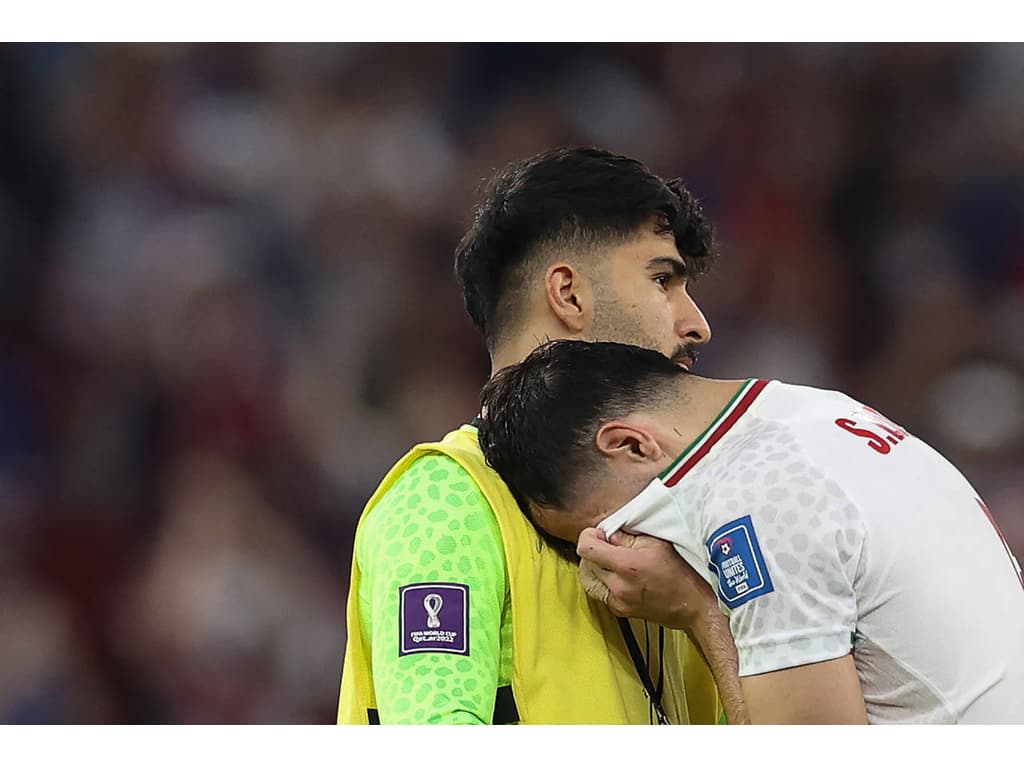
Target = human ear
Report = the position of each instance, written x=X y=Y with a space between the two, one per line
x=567 y=294
x=623 y=441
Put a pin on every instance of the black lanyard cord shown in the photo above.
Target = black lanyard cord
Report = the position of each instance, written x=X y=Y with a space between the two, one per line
x=654 y=693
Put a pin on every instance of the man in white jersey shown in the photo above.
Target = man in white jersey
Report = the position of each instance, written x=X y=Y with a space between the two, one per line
x=864 y=578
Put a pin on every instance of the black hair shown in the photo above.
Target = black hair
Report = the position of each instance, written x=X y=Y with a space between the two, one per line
x=540 y=417
x=580 y=198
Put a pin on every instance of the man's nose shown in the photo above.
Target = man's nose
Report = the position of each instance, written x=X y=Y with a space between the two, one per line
x=691 y=324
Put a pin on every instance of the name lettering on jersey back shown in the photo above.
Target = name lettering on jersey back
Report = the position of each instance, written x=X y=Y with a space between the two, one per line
x=877 y=442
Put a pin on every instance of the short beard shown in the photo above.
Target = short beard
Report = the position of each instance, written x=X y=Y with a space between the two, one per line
x=611 y=323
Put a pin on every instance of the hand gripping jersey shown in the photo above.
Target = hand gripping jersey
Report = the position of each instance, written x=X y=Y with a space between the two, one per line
x=827 y=529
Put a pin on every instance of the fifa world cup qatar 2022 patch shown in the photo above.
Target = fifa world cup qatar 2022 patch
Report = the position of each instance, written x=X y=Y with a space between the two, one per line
x=433 y=617
x=737 y=561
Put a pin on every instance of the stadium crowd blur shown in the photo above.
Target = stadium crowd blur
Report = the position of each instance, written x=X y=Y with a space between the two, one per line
x=228 y=307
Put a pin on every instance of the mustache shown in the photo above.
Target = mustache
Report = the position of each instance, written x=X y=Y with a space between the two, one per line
x=686 y=350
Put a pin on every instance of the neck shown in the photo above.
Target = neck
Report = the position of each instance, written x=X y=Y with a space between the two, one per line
x=513 y=350
x=697 y=405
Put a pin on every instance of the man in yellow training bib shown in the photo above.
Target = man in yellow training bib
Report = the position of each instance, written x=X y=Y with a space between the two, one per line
x=458 y=611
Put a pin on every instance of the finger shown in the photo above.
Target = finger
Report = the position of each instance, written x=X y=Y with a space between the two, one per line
x=590 y=570
x=588 y=537
x=623 y=539
x=601 y=572
x=591 y=547
x=595 y=532
x=590 y=579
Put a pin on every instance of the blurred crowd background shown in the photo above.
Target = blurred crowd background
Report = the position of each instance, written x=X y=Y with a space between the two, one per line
x=228 y=306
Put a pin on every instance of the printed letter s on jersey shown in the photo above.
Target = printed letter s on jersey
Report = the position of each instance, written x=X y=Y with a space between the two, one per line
x=735 y=557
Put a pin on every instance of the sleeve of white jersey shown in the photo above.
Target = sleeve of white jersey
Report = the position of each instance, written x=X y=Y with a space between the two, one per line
x=784 y=544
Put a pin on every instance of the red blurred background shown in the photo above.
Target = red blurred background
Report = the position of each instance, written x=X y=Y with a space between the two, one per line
x=227 y=307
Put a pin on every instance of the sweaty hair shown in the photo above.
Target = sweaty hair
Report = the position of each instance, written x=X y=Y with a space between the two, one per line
x=542 y=415
x=575 y=199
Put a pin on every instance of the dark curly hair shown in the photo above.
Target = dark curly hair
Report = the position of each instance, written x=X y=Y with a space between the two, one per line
x=540 y=416
x=577 y=198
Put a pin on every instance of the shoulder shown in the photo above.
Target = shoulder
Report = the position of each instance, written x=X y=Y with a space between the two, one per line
x=435 y=481
x=435 y=503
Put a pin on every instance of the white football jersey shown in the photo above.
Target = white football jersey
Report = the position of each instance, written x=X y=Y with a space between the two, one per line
x=827 y=529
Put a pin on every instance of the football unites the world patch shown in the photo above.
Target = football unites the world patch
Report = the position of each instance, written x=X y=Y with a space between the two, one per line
x=433 y=617
x=735 y=557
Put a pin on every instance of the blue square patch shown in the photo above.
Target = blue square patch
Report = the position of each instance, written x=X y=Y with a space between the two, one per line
x=737 y=561
x=433 y=617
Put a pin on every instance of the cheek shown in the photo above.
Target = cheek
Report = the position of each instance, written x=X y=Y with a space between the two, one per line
x=568 y=529
x=658 y=319
x=556 y=524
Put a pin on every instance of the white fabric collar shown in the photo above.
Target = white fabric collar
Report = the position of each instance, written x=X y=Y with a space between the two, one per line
x=652 y=511
x=655 y=512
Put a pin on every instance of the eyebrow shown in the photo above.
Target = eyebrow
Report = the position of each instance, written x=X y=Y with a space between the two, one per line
x=675 y=264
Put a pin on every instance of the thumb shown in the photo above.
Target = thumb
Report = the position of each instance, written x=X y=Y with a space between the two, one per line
x=590 y=580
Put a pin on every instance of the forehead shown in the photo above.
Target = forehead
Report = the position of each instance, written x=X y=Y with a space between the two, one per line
x=641 y=249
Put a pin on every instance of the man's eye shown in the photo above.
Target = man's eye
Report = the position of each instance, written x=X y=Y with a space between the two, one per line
x=662 y=280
